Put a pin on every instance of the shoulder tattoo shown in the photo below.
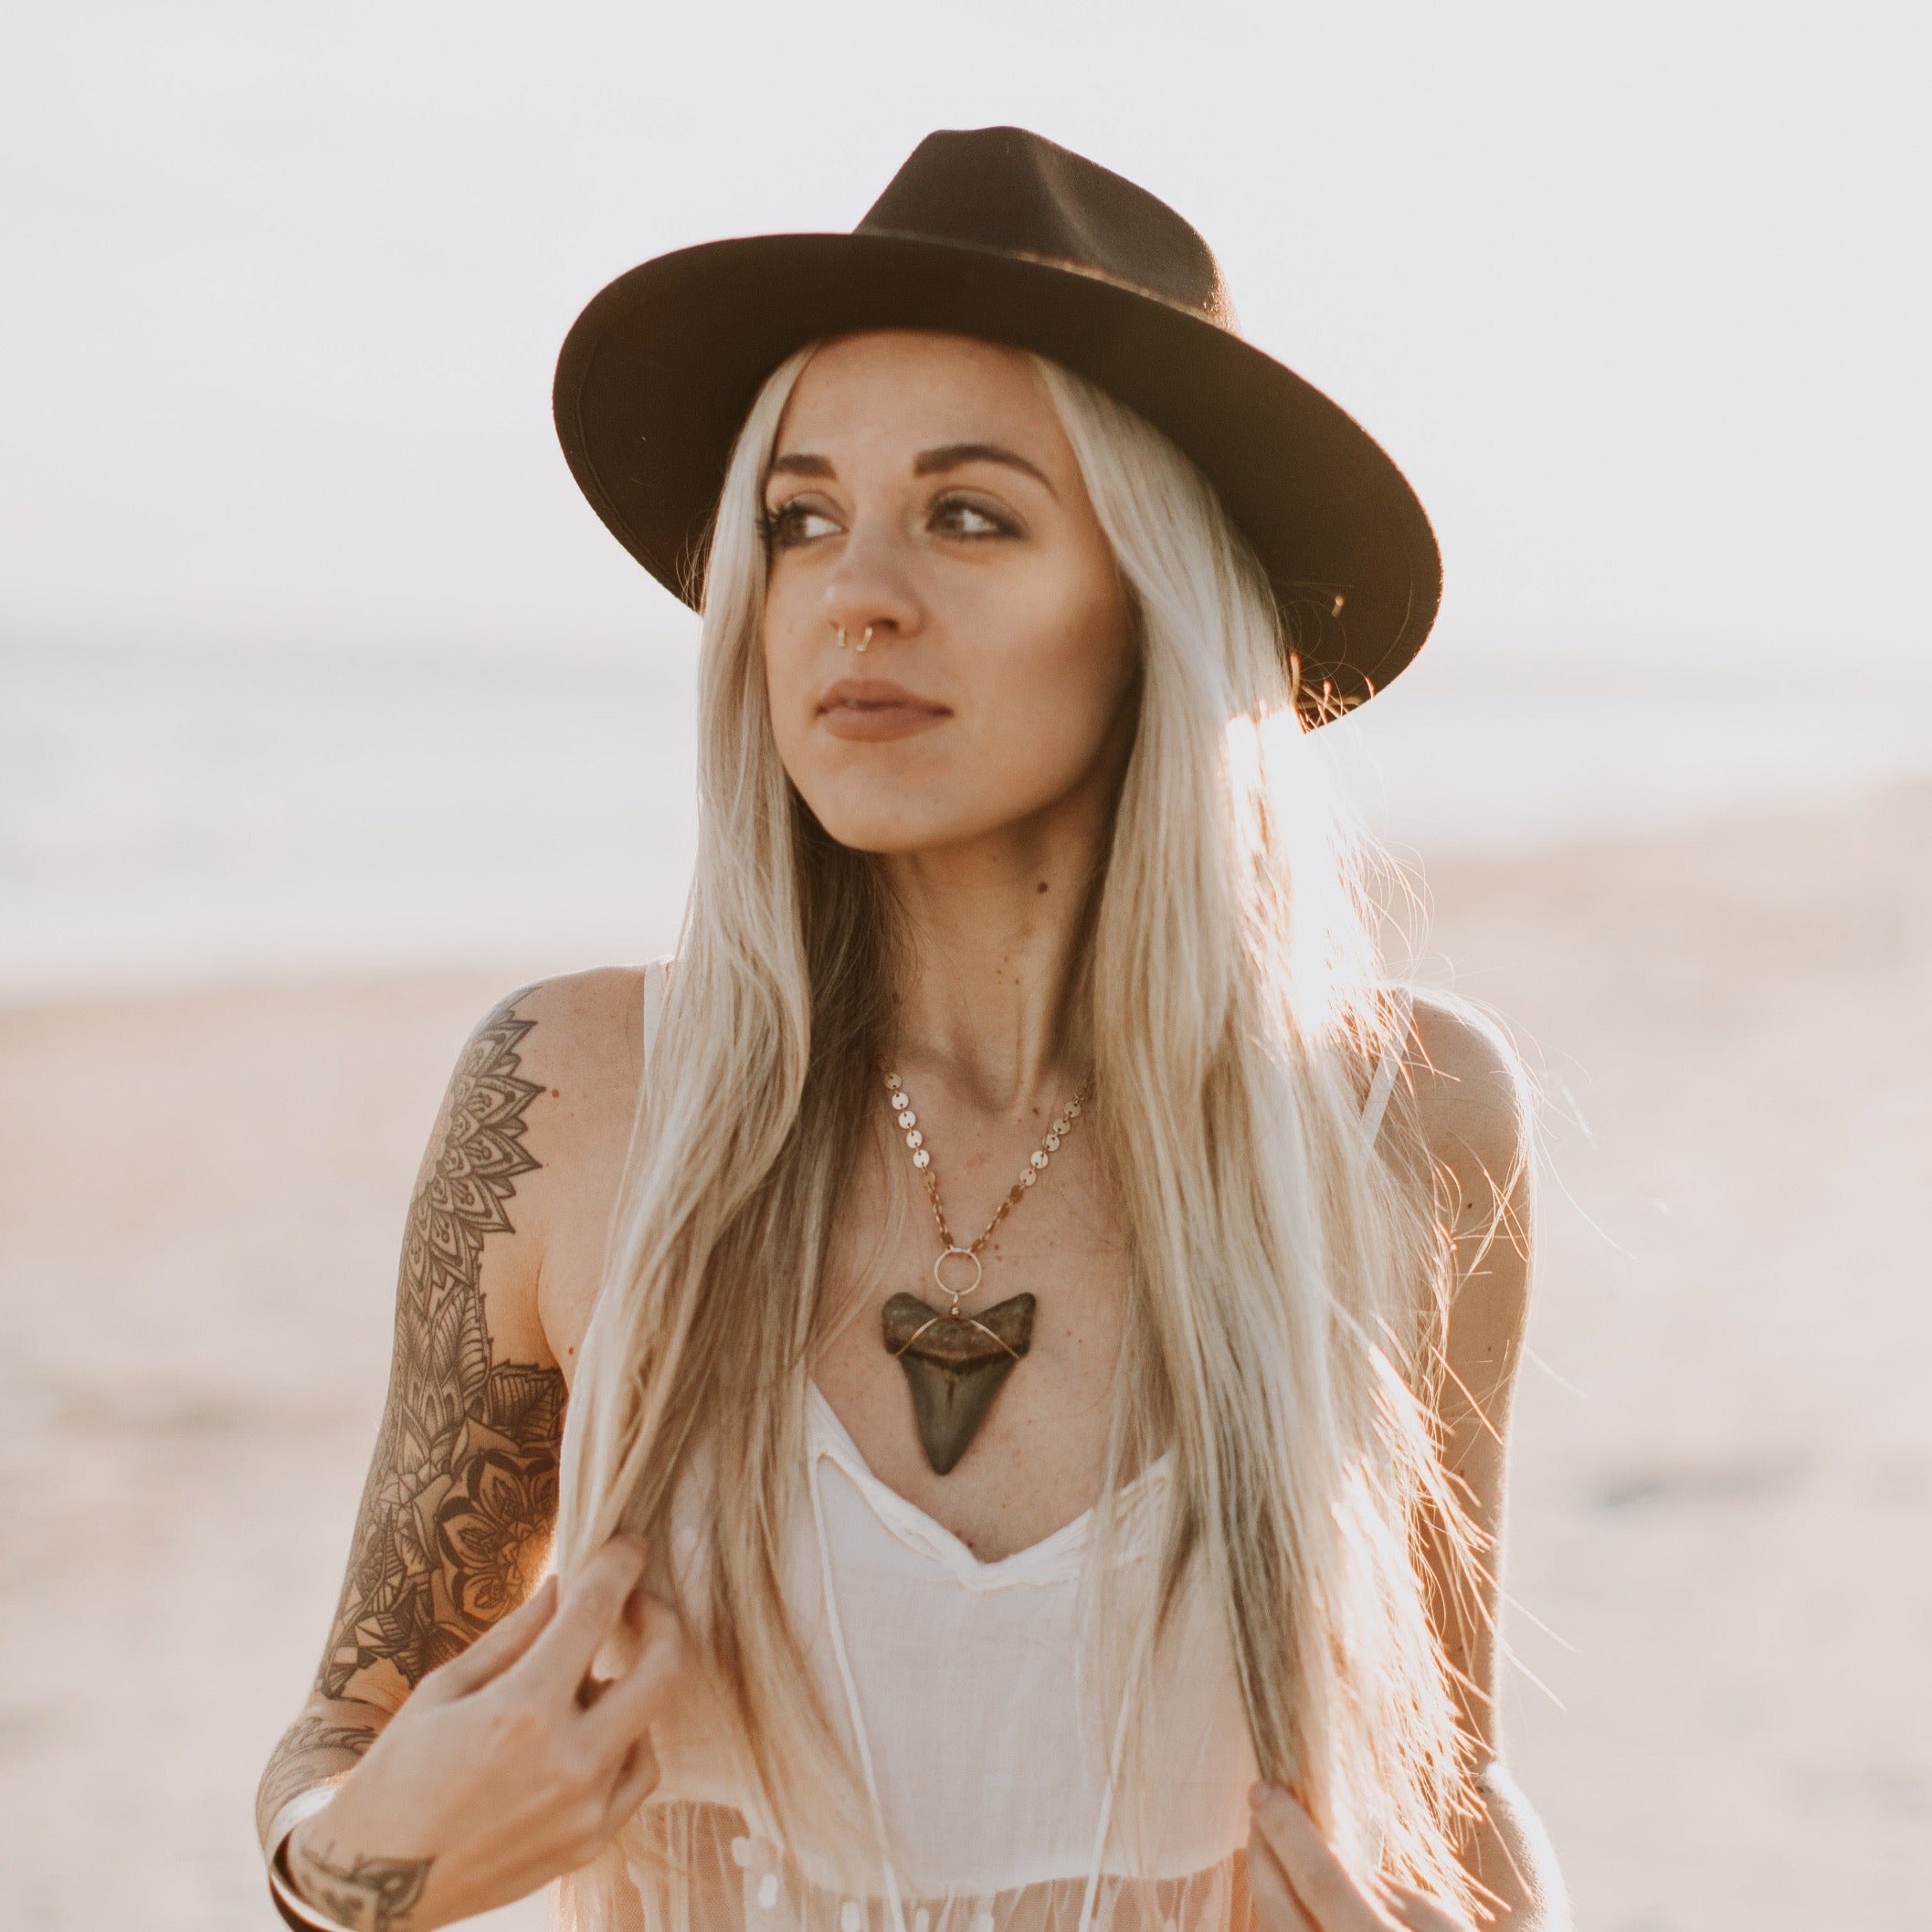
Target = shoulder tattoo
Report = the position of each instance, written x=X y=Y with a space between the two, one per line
x=460 y=1503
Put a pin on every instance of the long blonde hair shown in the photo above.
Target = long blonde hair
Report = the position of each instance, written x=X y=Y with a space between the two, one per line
x=1288 y=1282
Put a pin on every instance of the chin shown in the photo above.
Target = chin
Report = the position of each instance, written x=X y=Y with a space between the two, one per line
x=887 y=815
x=881 y=833
x=893 y=819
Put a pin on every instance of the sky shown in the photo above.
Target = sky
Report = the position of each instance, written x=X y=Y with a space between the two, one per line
x=1637 y=295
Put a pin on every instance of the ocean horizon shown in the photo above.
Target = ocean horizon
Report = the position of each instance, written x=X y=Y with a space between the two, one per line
x=174 y=818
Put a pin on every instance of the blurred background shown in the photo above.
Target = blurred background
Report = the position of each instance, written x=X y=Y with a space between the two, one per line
x=329 y=711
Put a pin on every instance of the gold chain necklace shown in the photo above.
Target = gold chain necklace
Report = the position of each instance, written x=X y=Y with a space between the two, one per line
x=956 y=1364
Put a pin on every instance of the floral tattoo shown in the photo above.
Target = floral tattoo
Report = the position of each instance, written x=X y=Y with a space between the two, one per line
x=460 y=1502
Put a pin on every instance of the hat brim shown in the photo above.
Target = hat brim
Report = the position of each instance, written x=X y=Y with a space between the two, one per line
x=658 y=373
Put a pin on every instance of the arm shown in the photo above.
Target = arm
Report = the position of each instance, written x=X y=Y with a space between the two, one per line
x=461 y=1498
x=456 y=1753
x=1474 y=1127
x=1475 y=1124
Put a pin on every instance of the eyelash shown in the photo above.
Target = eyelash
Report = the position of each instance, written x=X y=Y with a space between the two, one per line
x=774 y=523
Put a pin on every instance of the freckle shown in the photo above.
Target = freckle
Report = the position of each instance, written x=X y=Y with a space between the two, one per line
x=556 y=1093
x=1041 y=886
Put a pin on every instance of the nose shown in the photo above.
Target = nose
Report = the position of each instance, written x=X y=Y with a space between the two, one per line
x=869 y=598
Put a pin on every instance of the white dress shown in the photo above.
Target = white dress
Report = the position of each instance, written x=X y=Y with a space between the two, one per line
x=996 y=1796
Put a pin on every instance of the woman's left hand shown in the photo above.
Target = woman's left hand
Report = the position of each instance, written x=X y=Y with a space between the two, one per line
x=1298 y=1885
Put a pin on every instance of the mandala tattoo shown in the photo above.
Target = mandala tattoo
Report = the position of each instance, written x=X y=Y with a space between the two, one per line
x=460 y=1502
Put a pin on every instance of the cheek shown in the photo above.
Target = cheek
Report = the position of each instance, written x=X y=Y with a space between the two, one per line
x=1055 y=677
x=790 y=660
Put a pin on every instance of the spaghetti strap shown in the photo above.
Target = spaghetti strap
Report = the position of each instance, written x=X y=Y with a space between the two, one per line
x=1390 y=1066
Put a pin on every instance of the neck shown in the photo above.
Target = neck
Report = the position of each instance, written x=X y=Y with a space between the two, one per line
x=993 y=925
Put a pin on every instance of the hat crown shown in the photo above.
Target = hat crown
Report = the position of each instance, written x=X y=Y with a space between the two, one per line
x=1012 y=190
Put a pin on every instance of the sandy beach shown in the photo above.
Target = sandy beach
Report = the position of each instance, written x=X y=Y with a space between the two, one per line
x=1721 y=1555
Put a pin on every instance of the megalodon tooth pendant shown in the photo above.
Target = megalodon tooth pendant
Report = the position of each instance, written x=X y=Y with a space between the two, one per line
x=955 y=1364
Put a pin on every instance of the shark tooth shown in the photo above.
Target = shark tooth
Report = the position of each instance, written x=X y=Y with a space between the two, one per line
x=955 y=1366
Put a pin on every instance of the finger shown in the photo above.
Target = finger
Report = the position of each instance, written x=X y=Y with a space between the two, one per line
x=1419 y=1912
x=1275 y=1909
x=560 y=1659
x=1317 y=1878
x=493 y=1653
x=636 y=1779
x=626 y=1706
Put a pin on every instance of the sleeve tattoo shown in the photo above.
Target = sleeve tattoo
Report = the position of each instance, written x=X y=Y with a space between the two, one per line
x=373 y=1894
x=460 y=1502
x=314 y=1750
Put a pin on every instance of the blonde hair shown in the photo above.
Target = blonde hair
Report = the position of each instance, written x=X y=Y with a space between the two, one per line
x=1288 y=1285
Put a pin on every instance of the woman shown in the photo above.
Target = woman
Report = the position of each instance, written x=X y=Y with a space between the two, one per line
x=943 y=1551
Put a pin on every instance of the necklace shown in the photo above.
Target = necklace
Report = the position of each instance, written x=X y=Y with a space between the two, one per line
x=956 y=1364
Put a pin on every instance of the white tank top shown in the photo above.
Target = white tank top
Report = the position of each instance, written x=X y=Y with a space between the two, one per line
x=994 y=1786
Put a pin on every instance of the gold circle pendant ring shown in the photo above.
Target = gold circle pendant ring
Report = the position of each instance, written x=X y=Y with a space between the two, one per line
x=963 y=1254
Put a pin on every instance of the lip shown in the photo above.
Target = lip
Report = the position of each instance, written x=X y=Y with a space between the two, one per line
x=875 y=709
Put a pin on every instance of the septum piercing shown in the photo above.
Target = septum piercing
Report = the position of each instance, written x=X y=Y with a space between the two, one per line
x=861 y=645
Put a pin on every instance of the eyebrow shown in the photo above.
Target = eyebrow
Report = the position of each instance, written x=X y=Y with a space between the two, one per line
x=800 y=466
x=928 y=463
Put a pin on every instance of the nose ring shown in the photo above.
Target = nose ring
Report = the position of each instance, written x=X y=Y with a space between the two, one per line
x=844 y=640
x=867 y=638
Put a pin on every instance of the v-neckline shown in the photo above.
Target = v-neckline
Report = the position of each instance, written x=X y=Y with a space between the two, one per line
x=1054 y=1557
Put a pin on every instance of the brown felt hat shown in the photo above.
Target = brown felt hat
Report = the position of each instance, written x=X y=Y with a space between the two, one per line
x=1000 y=234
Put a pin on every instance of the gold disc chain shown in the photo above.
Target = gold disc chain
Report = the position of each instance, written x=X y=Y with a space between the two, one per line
x=1037 y=1164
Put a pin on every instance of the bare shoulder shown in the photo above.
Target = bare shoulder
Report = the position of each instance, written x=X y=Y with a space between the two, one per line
x=542 y=1076
x=582 y=1041
x=1474 y=1106
x=1473 y=1101
x=584 y=1016
x=541 y=1088
x=583 y=1053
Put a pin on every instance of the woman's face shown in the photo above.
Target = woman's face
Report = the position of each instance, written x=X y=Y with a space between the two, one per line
x=923 y=489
